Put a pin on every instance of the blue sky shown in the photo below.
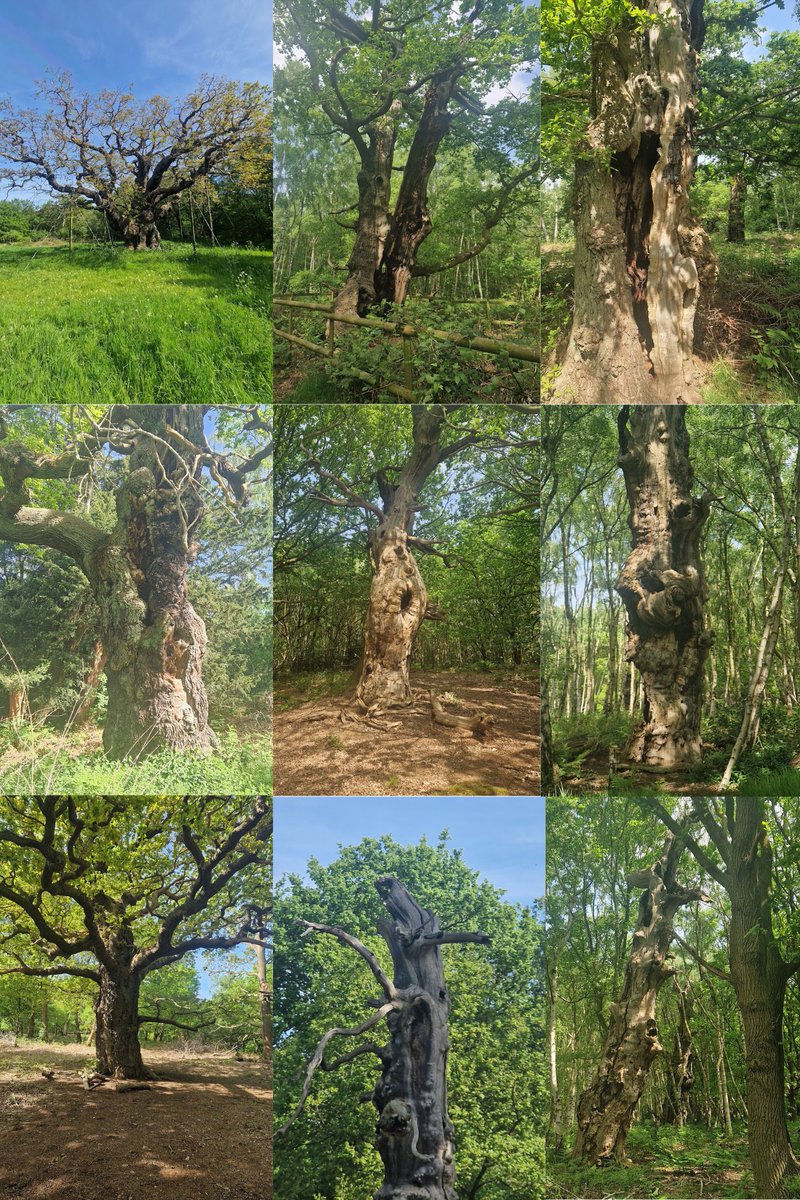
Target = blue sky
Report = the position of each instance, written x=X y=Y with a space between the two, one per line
x=158 y=46
x=502 y=837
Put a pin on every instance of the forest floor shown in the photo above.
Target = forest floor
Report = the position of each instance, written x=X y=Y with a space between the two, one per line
x=747 y=331
x=664 y=1163
x=317 y=755
x=110 y=326
x=42 y=761
x=201 y=1133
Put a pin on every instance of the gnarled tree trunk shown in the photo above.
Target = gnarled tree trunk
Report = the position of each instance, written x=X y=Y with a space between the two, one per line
x=663 y=585
x=606 y=1108
x=414 y=1135
x=398 y=599
x=682 y=1060
x=153 y=638
x=116 y=1011
x=640 y=256
x=376 y=151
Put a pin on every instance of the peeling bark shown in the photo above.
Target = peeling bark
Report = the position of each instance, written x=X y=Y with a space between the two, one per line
x=640 y=256
x=606 y=1108
x=663 y=586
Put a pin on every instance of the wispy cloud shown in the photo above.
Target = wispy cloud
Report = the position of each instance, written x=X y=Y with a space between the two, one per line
x=220 y=37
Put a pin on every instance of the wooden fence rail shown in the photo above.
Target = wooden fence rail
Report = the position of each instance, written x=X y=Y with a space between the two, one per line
x=407 y=332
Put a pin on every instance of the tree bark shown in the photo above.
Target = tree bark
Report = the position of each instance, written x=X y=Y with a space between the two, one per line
x=398 y=599
x=606 y=1108
x=640 y=256
x=116 y=1011
x=662 y=585
x=759 y=975
x=264 y=1001
x=736 y=205
x=414 y=1135
x=376 y=151
x=153 y=638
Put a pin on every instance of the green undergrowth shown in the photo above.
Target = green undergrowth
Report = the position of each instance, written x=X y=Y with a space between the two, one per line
x=666 y=1162
x=236 y=767
x=109 y=326
x=441 y=370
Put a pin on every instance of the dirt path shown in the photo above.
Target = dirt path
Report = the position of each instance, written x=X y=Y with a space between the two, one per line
x=323 y=757
x=202 y=1133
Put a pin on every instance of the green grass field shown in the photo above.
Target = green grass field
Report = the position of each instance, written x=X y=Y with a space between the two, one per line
x=113 y=326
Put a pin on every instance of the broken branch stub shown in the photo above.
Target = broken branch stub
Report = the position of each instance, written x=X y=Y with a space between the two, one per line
x=414 y=1135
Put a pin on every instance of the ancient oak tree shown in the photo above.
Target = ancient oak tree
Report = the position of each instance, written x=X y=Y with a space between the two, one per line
x=663 y=585
x=606 y=1109
x=130 y=160
x=159 y=462
x=640 y=256
x=414 y=1135
x=110 y=889
x=395 y=79
x=398 y=601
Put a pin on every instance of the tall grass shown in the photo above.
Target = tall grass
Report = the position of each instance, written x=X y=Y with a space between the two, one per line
x=113 y=326
x=46 y=764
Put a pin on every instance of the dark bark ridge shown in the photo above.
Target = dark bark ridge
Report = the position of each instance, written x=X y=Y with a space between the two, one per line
x=606 y=1108
x=107 y=921
x=663 y=585
x=640 y=255
x=414 y=1134
x=154 y=641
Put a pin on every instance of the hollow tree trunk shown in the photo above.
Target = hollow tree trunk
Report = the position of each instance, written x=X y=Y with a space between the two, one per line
x=759 y=976
x=736 y=205
x=398 y=599
x=640 y=256
x=414 y=1132
x=153 y=638
x=411 y=220
x=606 y=1108
x=141 y=233
x=116 y=1012
x=662 y=585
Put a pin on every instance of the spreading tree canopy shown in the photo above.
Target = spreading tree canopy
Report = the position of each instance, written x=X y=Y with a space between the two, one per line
x=132 y=160
x=111 y=889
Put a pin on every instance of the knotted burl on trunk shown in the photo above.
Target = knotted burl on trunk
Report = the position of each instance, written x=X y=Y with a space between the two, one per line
x=414 y=1135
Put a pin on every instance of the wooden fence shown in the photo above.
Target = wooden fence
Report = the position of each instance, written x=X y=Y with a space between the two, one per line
x=407 y=332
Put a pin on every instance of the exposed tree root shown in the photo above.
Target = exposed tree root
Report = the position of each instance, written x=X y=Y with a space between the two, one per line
x=355 y=712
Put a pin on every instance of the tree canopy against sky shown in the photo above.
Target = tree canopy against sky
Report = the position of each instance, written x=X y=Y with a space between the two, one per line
x=395 y=83
x=121 y=493
x=129 y=160
x=109 y=890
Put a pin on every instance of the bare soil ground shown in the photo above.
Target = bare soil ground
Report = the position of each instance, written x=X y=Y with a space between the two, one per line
x=203 y=1132
x=317 y=755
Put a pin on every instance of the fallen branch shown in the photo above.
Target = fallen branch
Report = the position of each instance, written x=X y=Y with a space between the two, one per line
x=481 y=725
